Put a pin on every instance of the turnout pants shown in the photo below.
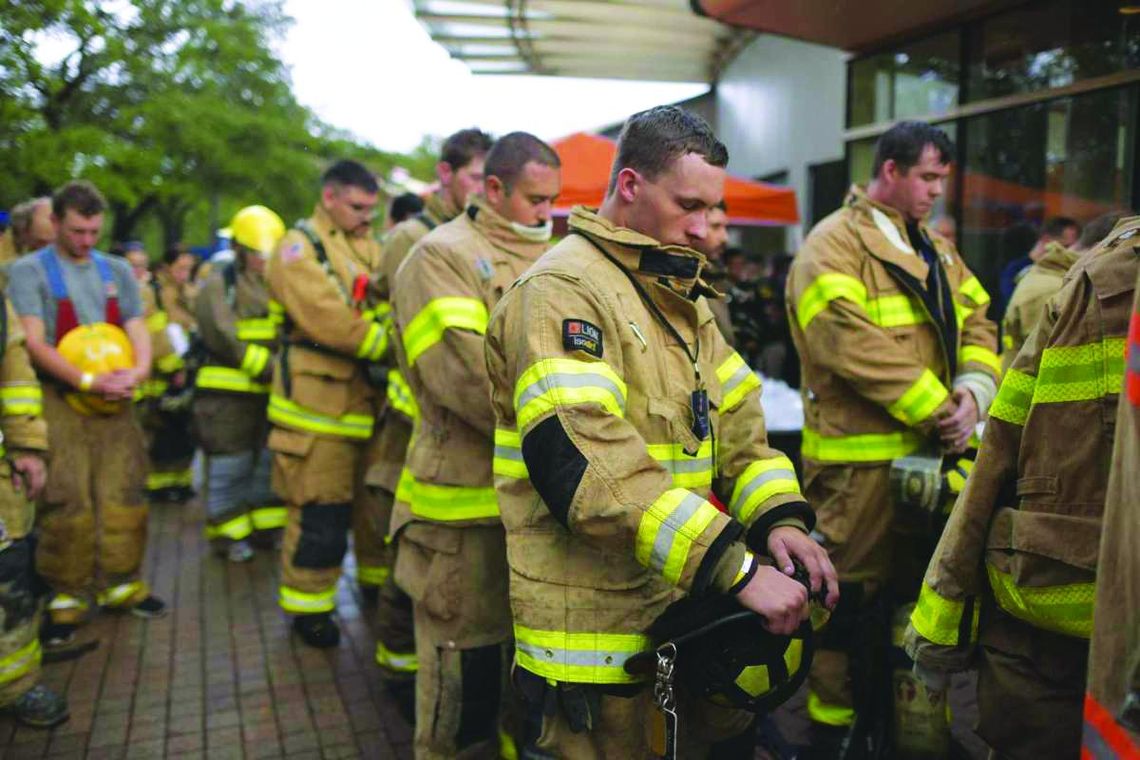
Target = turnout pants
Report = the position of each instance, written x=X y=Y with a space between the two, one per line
x=19 y=607
x=92 y=523
x=457 y=579
x=239 y=498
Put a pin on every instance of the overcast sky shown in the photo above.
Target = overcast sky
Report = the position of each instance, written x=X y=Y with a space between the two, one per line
x=369 y=67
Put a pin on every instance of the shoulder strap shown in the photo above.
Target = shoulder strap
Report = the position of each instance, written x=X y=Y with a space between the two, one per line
x=105 y=272
x=54 y=273
x=426 y=221
x=229 y=279
x=314 y=239
x=3 y=325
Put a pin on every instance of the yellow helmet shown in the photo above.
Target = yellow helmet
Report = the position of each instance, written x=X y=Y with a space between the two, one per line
x=96 y=348
x=257 y=228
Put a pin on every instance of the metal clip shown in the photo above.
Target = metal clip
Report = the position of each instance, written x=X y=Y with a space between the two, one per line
x=665 y=700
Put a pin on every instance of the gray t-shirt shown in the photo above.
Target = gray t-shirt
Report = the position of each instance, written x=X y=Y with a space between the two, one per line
x=31 y=296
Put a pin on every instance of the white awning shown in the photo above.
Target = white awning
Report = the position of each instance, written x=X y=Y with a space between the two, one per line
x=651 y=40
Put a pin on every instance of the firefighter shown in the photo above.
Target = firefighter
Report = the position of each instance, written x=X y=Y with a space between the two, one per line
x=1112 y=704
x=452 y=555
x=1042 y=280
x=232 y=388
x=326 y=391
x=898 y=360
x=1010 y=588
x=92 y=520
x=619 y=411
x=22 y=476
x=460 y=174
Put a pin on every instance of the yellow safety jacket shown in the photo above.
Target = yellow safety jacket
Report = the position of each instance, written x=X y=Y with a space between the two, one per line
x=321 y=386
x=877 y=368
x=1025 y=531
x=1033 y=291
x=21 y=423
x=445 y=291
x=606 y=451
x=164 y=361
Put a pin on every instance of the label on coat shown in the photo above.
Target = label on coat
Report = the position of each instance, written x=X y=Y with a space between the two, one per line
x=580 y=335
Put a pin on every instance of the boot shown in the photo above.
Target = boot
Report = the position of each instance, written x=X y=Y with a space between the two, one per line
x=39 y=707
x=317 y=630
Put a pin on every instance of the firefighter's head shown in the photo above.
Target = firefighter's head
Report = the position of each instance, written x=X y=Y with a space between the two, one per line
x=667 y=176
x=460 y=167
x=256 y=231
x=349 y=194
x=31 y=225
x=522 y=178
x=912 y=163
x=77 y=215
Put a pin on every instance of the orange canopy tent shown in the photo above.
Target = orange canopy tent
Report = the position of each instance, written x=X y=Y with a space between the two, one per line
x=587 y=159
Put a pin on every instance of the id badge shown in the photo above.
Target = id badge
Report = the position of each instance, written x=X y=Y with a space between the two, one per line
x=699 y=404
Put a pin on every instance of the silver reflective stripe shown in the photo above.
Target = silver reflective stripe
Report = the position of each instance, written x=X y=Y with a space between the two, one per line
x=569 y=380
x=702 y=464
x=575 y=657
x=509 y=452
x=761 y=479
x=737 y=378
x=669 y=529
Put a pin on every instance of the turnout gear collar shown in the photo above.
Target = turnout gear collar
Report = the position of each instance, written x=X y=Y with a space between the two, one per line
x=882 y=229
x=440 y=209
x=675 y=266
x=327 y=229
x=500 y=232
x=1058 y=258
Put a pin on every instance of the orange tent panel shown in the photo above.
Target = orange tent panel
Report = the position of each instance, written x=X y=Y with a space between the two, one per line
x=587 y=160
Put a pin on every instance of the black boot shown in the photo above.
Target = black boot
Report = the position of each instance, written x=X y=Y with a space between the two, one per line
x=317 y=630
x=39 y=707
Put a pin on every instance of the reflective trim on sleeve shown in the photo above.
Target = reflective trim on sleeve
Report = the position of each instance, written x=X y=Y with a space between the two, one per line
x=508 y=460
x=550 y=383
x=1064 y=609
x=1014 y=397
x=268 y=518
x=256 y=329
x=169 y=364
x=444 y=503
x=18 y=399
x=290 y=414
x=255 y=360
x=829 y=715
x=692 y=472
x=300 y=603
x=276 y=312
x=981 y=355
x=920 y=400
x=372 y=575
x=865 y=447
x=825 y=289
x=973 y=290
x=375 y=343
x=939 y=620
x=759 y=482
x=1080 y=373
x=400 y=396
x=898 y=310
x=668 y=529
x=235 y=529
x=227 y=379
x=578 y=657
x=439 y=315
x=21 y=662
x=736 y=380
x=156 y=322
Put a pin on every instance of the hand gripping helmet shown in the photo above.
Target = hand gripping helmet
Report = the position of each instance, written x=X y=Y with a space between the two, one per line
x=257 y=228
x=96 y=348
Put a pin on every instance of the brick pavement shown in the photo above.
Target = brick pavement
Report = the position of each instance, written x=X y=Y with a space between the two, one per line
x=221 y=676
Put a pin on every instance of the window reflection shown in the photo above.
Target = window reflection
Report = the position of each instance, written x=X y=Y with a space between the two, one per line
x=916 y=80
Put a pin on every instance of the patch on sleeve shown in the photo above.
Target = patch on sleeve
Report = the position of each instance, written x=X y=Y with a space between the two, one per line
x=292 y=253
x=580 y=335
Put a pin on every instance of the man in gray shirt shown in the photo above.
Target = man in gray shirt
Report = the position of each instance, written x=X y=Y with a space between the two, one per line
x=93 y=518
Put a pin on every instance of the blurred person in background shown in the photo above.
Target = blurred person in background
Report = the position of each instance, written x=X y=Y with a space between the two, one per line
x=713 y=247
x=403 y=207
x=1059 y=229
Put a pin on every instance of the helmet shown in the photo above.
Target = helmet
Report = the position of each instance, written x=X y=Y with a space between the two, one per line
x=257 y=228
x=96 y=348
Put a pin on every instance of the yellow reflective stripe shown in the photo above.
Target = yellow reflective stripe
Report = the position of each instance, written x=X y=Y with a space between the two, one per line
x=508 y=460
x=276 y=312
x=290 y=414
x=21 y=662
x=759 y=482
x=400 y=662
x=920 y=400
x=668 y=529
x=694 y=472
x=234 y=529
x=256 y=328
x=829 y=715
x=865 y=447
x=370 y=575
x=825 y=289
x=1064 y=609
x=447 y=503
x=755 y=680
x=255 y=360
x=268 y=518
x=981 y=355
x=736 y=380
x=151 y=388
x=973 y=290
x=302 y=603
x=227 y=379
x=1080 y=373
x=578 y=657
x=439 y=315
x=939 y=620
x=67 y=602
x=550 y=383
x=157 y=322
x=1007 y=342
x=169 y=364
x=400 y=396
x=1014 y=397
x=26 y=398
x=179 y=479
x=122 y=594
x=896 y=311
x=375 y=343
x=404 y=486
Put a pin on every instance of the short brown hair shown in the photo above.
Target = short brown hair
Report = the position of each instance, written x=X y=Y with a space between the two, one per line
x=79 y=196
x=512 y=152
x=652 y=140
x=460 y=148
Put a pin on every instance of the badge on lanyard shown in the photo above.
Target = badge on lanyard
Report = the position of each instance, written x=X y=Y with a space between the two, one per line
x=699 y=403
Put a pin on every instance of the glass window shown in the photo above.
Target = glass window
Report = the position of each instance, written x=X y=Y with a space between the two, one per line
x=918 y=79
x=1066 y=157
x=1053 y=44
